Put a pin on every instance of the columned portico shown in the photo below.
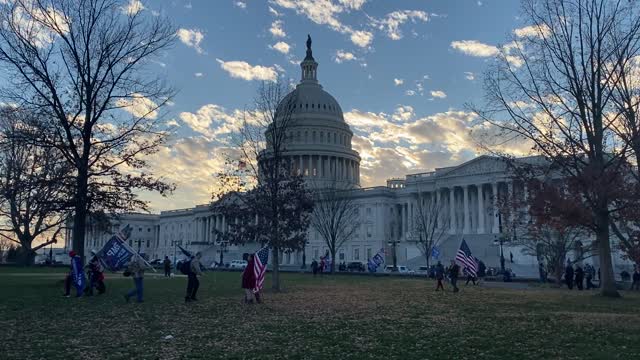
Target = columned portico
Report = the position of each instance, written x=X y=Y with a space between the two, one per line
x=467 y=217
x=480 y=210
x=452 y=210
x=496 y=216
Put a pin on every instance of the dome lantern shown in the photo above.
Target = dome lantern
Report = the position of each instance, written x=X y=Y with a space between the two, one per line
x=309 y=65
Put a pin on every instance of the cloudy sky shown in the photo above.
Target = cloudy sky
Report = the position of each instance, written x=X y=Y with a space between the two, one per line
x=402 y=71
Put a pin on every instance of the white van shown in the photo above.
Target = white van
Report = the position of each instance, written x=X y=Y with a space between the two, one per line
x=401 y=269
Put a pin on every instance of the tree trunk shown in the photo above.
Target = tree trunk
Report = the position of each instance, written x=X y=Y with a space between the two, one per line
x=607 y=279
x=333 y=261
x=80 y=213
x=275 y=277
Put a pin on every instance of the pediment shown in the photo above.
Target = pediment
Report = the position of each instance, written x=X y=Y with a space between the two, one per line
x=480 y=165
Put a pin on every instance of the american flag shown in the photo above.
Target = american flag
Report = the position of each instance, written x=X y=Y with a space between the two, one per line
x=464 y=256
x=261 y=258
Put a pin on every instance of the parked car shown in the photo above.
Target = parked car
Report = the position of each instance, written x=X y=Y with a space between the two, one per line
x=423 y=270
x=355 y=266
x=238 y=264
x=155 y=262
x=401 y=269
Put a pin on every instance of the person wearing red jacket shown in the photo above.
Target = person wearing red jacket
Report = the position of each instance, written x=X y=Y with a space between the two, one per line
x=249 y=281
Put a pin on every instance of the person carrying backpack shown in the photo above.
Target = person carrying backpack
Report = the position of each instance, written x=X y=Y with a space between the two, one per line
x=192 y=267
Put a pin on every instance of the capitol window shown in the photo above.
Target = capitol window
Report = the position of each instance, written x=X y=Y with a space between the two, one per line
x=321 y=136
x=313 y=137
x=356 y=254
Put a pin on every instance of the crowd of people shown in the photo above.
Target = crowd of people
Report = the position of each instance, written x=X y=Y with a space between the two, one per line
x=135 y=269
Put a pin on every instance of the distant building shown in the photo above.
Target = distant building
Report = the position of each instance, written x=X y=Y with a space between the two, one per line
x=320 y=149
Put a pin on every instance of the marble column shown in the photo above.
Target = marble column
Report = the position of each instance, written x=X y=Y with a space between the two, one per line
x=300 y=165
x=439 y=207
x=496 y=227
x=525 y=196
x=480 y=210
x=467 y=217
x=452 y=211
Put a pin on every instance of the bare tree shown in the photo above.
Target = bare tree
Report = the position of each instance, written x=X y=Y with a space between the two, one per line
x=80 y=64
x=276 y=196
x=431 y=223
x=33 y=188
x=554 y=87
x=335 y=216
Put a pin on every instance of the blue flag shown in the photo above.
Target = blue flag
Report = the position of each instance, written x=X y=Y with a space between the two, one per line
x=376 y=261
x=435 y=253
x=115 y=255
x=77 y=274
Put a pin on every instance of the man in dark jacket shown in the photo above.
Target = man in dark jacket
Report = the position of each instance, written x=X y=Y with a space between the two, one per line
x=454 y=269
x=542 y=273
x=589 y=271
x=568 y=276
x=192 y=278
x=439 y=276
x=167 y=266
x=635 y=285
x=579 y=276
x=314 y=267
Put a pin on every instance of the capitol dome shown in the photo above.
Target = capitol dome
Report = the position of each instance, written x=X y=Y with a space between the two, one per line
x=318 y=142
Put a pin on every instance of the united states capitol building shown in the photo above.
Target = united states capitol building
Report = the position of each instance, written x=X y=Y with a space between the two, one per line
x=320 y=149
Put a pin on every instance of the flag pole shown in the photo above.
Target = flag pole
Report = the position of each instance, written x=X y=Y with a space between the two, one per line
x=136 y=254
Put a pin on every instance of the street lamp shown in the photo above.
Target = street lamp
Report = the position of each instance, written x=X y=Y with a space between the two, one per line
x=304 y=255
x=223 y=248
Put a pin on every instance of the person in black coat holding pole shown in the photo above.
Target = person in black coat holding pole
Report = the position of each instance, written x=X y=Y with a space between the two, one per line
x=568 y=276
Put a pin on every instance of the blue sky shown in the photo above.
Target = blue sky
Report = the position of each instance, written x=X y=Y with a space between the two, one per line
x=402 y=71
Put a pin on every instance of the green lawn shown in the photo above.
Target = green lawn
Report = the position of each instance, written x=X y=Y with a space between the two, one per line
x=337 y=317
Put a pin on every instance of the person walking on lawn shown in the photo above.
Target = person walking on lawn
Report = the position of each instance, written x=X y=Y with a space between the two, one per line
x=249 y=281
x=75 y=276
x=167 y=266
x=454 y=269
x=439 y=276
x=135 y=269
x=193 y=284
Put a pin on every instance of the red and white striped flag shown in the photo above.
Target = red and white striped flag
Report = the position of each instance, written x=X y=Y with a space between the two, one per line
x=260 y=260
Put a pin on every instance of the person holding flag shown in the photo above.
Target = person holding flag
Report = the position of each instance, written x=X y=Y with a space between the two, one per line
x=135 y=269
x=96 y=274
x=75 y=276
x=468 y=261
x=249 y=280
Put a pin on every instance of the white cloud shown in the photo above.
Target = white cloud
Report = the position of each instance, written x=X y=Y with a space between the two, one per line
x=240 y=4
x=469 y=75
x=438 y=94
x=342 y=56
x=532 y=31
x=139 y=106
x=188 y=6
x=410 y=93
x=398 y=82
x=325 y=12
x=276 y=29
x=282 y=47
x=274 y=12
x=212 y=121
x=475 y=48
x=243 y=70
x=403 y=113
x=353 y=4
x=198 y=74
x=133 y=7
x=361 y=38
x=390 y=24
x=191 y=38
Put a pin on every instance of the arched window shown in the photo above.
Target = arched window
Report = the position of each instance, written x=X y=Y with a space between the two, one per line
x=313 y=137
x=321 y=136
x=306 y=136
x=335 y=138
